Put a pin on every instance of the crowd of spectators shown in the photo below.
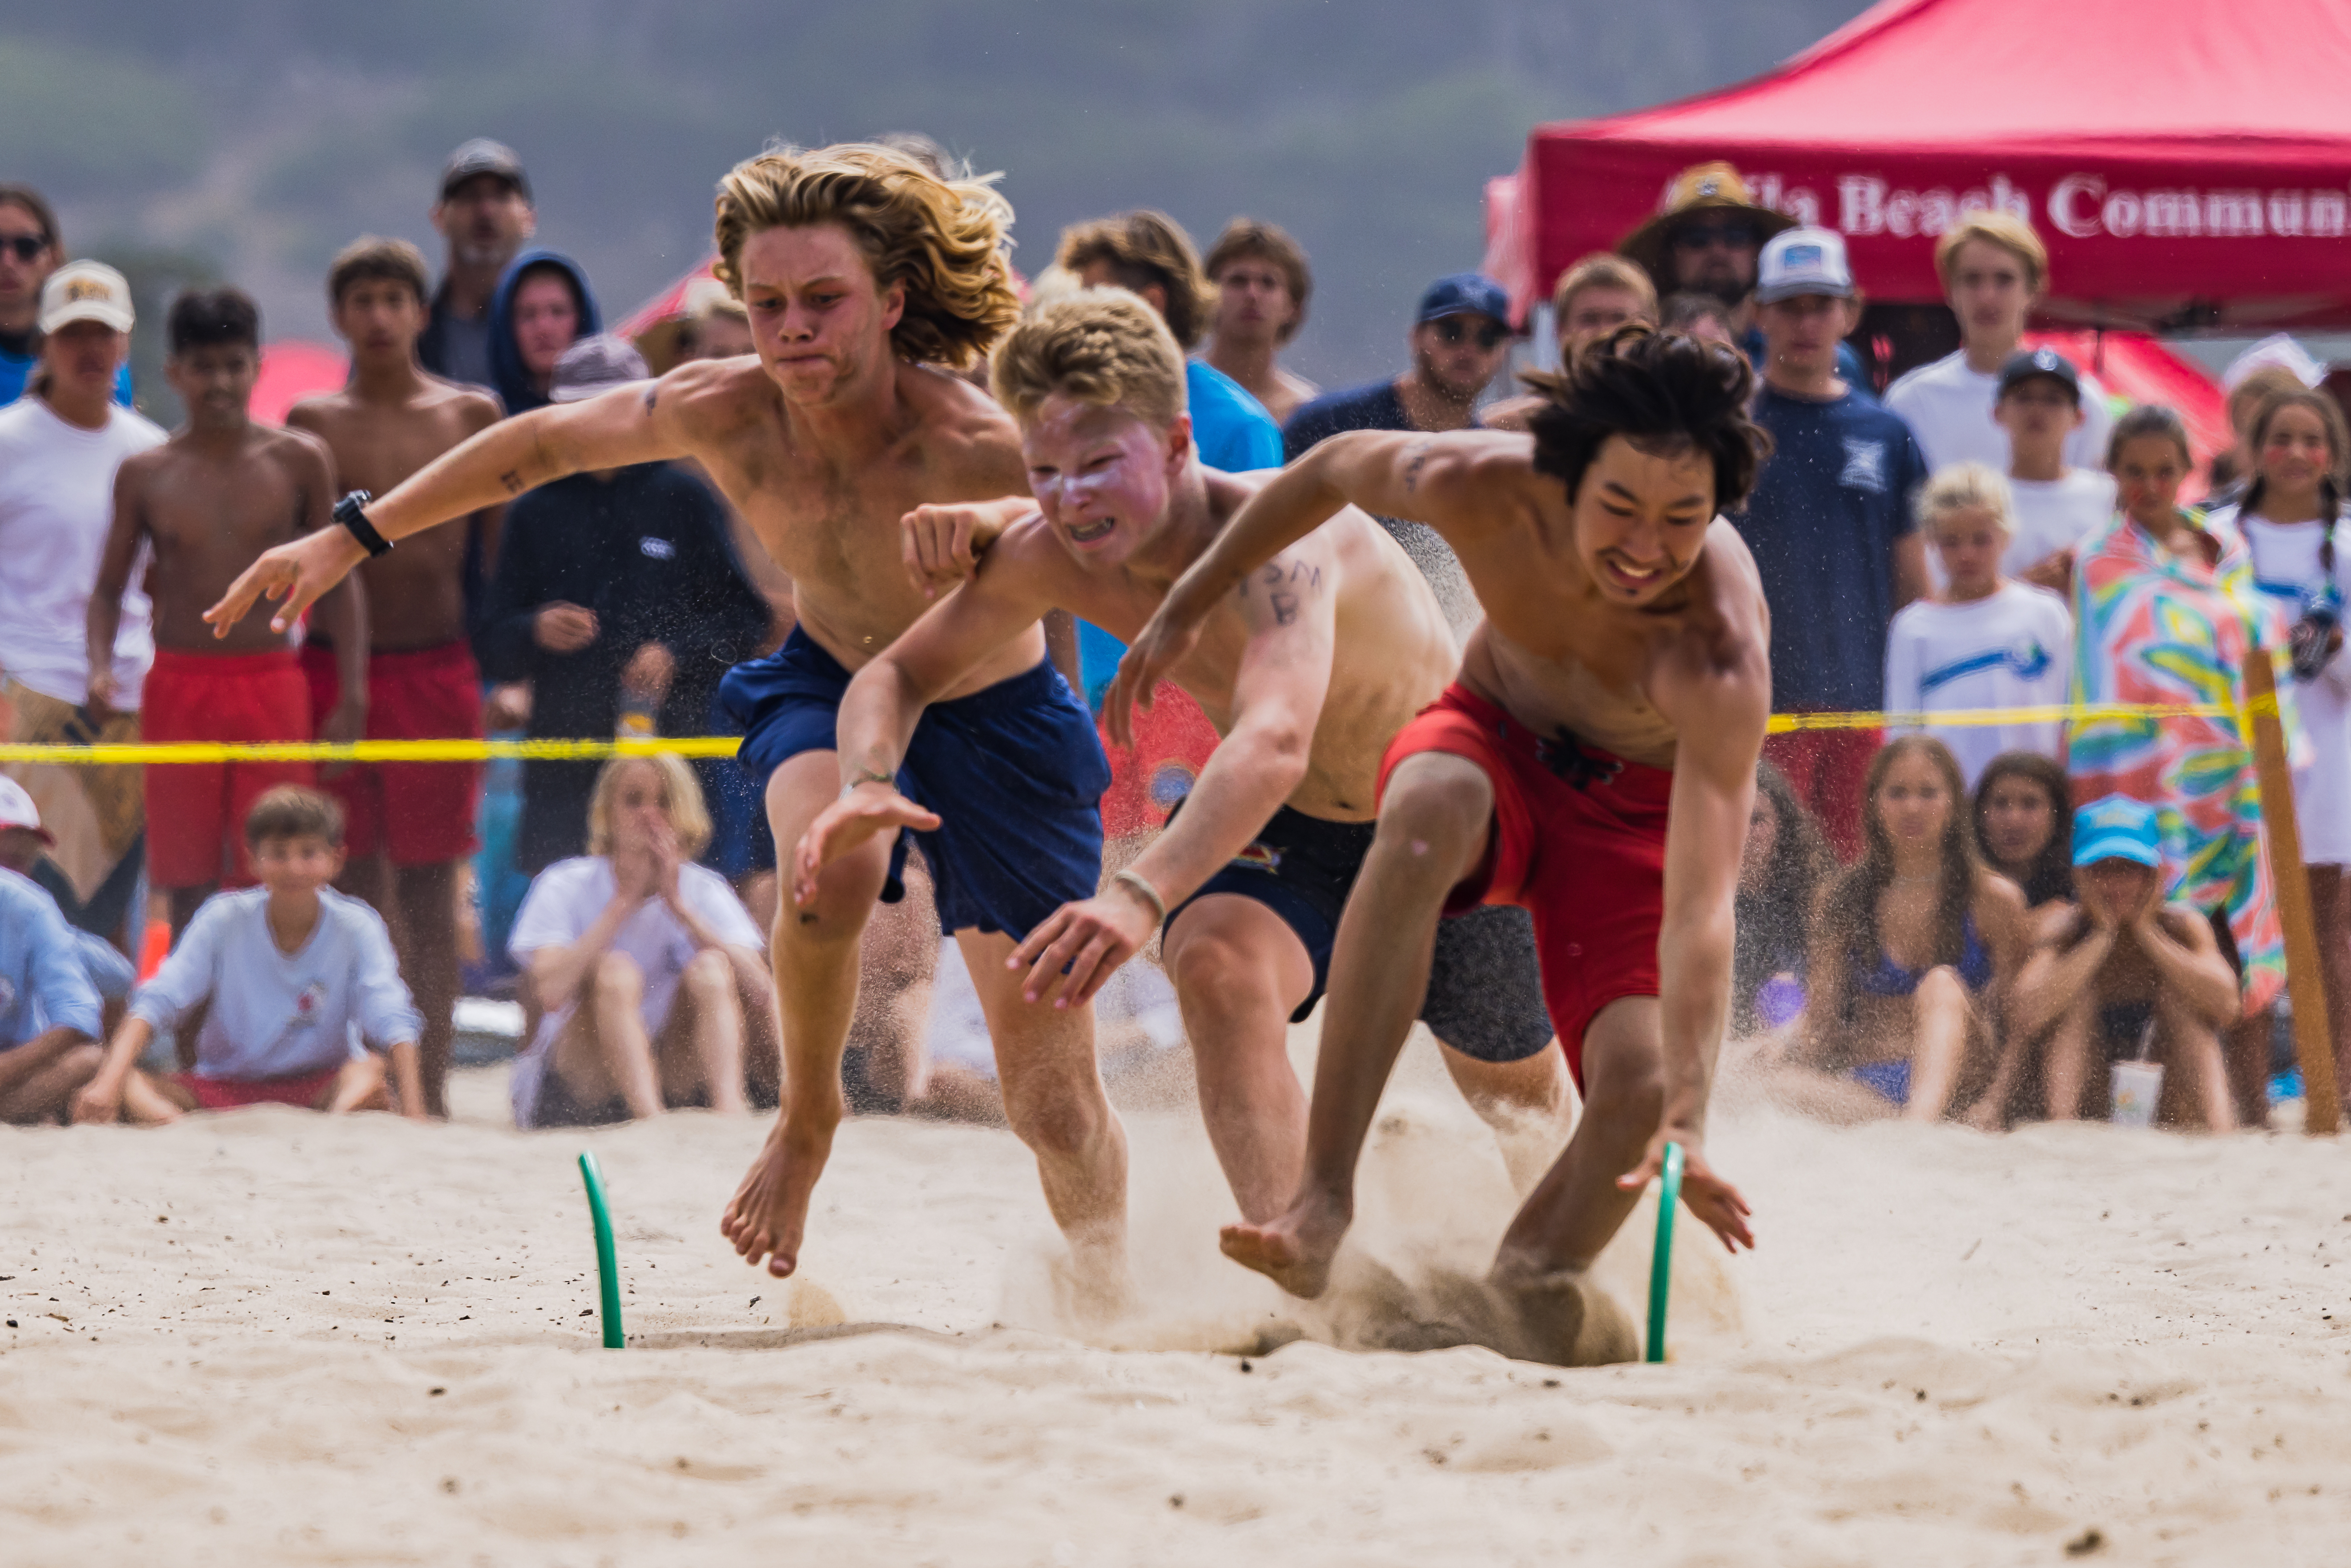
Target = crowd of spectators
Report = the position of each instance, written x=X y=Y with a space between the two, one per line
x=1938 y=915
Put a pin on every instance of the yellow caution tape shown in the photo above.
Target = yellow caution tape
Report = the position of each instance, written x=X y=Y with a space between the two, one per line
x=726 y=744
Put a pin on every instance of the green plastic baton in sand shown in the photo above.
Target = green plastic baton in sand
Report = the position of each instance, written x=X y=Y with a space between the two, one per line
x=608 y=1267
x=1661 y=1260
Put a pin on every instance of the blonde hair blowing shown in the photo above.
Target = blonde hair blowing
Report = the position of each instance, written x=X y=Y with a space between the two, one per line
x=682 y=802
x=1101 y=346
x=2004 y=229
x=943 y=240
x=1956 y=486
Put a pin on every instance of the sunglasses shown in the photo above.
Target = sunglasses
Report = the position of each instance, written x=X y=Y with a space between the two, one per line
x=25 y=248
x=1452 y=329
x=1704 y=237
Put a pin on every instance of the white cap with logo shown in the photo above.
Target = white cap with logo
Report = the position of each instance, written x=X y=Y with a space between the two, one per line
x=17 y=810
x=85 y=291
x=1802 y=261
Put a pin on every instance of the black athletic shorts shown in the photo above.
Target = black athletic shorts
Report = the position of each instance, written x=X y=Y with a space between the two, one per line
x=1485 y=986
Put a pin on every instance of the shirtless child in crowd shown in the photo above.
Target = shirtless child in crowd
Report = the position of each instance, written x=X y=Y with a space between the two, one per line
x=860 y=270
x=1594 y=762
x=207 y=502
x=409 y=825
x=1307 y=671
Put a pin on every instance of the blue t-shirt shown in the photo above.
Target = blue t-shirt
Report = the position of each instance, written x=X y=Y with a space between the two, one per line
x=1829 y=506
x=1234 y=434
x=43 y=985
x=16 y=370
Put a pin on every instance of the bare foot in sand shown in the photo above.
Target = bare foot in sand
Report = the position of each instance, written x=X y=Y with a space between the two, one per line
x=768 y=1213
x=1565 y=1319
x=1295 y=1251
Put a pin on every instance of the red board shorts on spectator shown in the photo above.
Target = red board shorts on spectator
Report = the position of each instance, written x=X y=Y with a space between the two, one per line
x=195 y=810
x=1577 y=840
x=418 y=813
x=304 y=1091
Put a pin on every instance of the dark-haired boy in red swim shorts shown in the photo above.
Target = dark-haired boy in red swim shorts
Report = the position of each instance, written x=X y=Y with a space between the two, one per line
x=1594 y=762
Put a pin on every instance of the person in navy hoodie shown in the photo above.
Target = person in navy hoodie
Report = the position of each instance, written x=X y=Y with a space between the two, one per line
x=543 y=306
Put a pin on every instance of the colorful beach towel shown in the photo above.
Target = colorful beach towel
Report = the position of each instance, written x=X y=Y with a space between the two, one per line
x=2162 y=628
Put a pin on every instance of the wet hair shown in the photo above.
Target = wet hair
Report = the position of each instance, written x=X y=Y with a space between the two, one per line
x=1604 y=269
x=2330 y=484
x=373 y=258
x=1775 y=922
x=1849 y=917
x=1681 y=311
x=2006 y=230
x=294 y=812
x=211 y=318
x=2149 y=419
x=689 y=814
x=13 y=195
x=943 y=240
x=1143 y=248
x=2051 y=873
x=1251 y=238
x=1660 y=390
x=1957 y=486
x=1101 y=346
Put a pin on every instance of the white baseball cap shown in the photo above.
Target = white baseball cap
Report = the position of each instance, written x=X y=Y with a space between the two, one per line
x=1802 y=261
x=17 y=810
x=85 y=291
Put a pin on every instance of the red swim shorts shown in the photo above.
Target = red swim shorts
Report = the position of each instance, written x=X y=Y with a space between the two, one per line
x=304 y=1091
x=195 y=810
x=420 y=813
x=1578 y=839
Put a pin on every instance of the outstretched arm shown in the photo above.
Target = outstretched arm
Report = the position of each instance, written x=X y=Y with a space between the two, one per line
x=1423 y=479
x=629 y=424
x=1290 y=607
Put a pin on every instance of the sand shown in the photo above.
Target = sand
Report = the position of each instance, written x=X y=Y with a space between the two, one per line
x=264 y=1338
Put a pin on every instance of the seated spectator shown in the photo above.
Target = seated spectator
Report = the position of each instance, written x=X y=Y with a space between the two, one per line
x=301 y=995
x=2057 y=508
x=2022 y=804
x=652 y=978
x=22 y=839
x=1913 y=947
x=1593 y=298
x=1984 y=640
x=2124 y=976
x=1696 y=315
x=618 y=596
x=48 y=1013
x=543 y=306
x=1780 y=876
x=2166 y=615
x=2301 y=450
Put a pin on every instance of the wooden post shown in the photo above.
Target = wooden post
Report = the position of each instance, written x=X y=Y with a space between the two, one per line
x=2313 y=1041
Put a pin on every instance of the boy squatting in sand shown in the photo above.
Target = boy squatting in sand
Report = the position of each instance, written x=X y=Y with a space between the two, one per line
x=305 y=995
x=1594 y=762
x=863 y=273
x=1307 y=671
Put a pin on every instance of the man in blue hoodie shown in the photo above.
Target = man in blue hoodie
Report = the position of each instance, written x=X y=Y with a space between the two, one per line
x=868 y=281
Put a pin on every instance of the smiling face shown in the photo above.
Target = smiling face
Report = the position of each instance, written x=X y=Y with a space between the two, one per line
x=216 y=381
x=820 y=320
x=1641 y=517
x=1969 y=540
x=2296 y=452
x=1914 y=802
x=1103 y=476
x=296 y=866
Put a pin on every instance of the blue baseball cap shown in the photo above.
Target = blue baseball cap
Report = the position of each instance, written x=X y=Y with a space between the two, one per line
x=2118 y=829
x=1465 y=293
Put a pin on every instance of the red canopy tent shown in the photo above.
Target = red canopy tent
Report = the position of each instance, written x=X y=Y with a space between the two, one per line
x=2188 y=162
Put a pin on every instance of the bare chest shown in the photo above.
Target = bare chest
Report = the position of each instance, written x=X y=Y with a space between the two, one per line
x=374 y=453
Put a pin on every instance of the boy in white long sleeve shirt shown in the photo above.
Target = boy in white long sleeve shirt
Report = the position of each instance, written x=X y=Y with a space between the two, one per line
x=305 y=995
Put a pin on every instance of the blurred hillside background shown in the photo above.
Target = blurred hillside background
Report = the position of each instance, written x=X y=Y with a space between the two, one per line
x=246 y=140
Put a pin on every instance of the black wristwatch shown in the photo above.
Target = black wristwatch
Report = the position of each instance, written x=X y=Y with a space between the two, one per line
x=351 y=513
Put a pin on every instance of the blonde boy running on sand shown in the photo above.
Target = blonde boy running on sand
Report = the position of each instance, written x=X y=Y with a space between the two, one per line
x=861 y=271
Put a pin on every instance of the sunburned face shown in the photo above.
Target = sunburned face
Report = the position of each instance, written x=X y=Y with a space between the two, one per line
x=1641 y=517
x=639 y=809
x=1969 y=540
x=546 y=320
x=1762 y=843
x=2149 y=472
x=1102 y=477
x=818 y=317
x=216 y=381
x=2295 y=452
x=1913 y=801
x=301 y=865
x=2018 y=819
x=380 y=318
